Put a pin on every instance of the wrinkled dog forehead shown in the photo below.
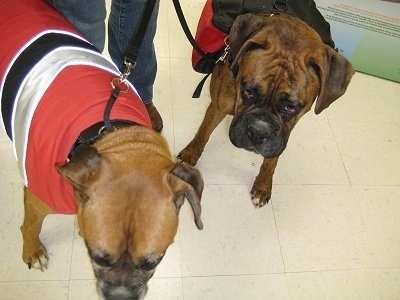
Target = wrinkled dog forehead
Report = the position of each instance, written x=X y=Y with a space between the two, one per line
x=283 y=29
x=279 y=42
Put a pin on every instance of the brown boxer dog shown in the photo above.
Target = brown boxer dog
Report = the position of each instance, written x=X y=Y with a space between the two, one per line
x=128 y=192
x=69 y=112
x=278 y=67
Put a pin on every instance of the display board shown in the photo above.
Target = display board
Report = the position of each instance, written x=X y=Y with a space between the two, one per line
x=367 y=33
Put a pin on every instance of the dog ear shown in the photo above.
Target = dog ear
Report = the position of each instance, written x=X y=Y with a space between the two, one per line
x=334 y=72
x=82 y=167
x=188 y=182
x=244 y=26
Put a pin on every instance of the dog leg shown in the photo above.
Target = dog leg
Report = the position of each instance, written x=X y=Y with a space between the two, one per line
x=34 y=253
x=262 y=187
x=192 y=152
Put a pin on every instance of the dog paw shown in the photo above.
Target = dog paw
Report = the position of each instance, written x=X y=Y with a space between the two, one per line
x=258 y=203
x=187 y=157
x=38 y=260
x=260 y=197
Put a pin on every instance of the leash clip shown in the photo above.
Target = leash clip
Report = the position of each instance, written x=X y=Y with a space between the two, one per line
x=128 y=66
x=224 y=55
x=120 y=81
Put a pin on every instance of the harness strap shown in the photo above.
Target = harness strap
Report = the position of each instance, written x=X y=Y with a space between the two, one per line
x=110 y=103
x=95 y=132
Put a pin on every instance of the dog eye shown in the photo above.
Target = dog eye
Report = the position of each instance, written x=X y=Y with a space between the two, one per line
x=101 y=258
x=289 y=111
x=289 y=108
x=249 y=94
x=150 y=262
x=148 y=265
x=102 y=261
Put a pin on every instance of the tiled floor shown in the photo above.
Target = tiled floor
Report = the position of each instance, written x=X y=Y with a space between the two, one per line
x=332 y=230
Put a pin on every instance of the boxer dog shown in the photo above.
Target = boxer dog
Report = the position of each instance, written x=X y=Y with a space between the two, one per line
x=119 y=179
x=278 y=67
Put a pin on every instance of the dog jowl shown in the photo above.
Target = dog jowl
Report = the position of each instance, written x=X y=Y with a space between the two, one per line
x=278 y=68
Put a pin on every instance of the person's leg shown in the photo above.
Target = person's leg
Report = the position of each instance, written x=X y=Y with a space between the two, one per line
x=87 y=16
x=125 y=17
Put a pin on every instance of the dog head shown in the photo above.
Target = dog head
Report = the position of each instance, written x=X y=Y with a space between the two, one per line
x=280 y=66
x=129 y=194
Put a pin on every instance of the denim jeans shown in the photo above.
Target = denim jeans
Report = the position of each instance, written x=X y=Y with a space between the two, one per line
x=88 y=17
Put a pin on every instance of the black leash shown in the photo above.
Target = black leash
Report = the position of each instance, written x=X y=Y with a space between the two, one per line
x=137 y=39
x=186 y=29
x=119 y=84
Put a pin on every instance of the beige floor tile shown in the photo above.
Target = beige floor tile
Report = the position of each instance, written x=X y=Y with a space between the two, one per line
x=312 y=156
x=33 y=290
x=82 y=289
x=369 y=284
x=379 y=208
x=165 y=289
x=370 y=151
x=254 y=287
x=236 y=239
x=389 y=281
x=320 y=228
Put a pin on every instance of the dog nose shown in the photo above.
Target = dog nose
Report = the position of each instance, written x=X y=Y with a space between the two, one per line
x=122 y=292
x=260 y=131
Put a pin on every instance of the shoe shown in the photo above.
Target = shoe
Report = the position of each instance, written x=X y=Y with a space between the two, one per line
x=156 y=120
